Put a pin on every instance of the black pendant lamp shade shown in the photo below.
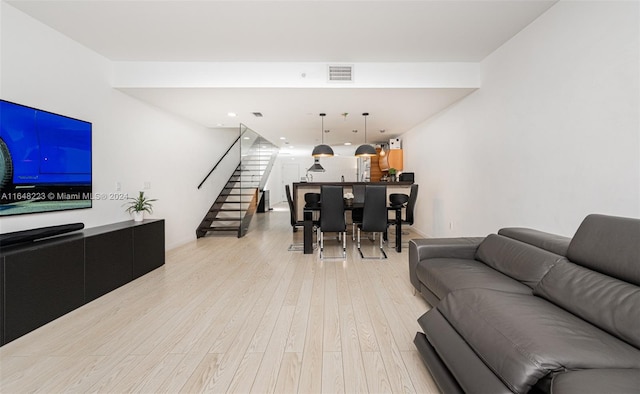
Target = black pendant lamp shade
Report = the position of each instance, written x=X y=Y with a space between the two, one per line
x=322 y=150
x=365 y=150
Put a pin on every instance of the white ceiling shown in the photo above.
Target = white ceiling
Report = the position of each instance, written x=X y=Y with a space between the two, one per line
x=298 y=119
x=294 y=31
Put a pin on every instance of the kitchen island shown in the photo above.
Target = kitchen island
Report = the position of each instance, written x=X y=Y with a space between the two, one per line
x=300 y=188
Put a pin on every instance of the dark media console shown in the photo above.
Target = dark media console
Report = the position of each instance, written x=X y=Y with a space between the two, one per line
x=43 y=280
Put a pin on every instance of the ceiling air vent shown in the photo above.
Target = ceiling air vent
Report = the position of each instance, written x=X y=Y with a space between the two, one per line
x=257 y=114
x=341 y=73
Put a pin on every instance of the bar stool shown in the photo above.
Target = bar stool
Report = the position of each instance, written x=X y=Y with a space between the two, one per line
x=312 y=200
x=398 y=200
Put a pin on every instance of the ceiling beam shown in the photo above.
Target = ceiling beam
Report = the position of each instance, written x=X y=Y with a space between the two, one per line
x=293 y=75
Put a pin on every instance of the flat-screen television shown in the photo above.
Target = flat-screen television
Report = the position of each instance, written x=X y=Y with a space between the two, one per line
x=45 y=161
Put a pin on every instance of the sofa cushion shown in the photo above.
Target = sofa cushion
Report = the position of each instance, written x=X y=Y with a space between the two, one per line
x=469 y=370
x=610 y=245
x=444 y=275
x=523 y=338
x=597 y=381
x=609 y=303
x=552 y=242
x=521 y=261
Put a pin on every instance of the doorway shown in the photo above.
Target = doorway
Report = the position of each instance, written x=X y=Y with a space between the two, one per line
x=290 y=174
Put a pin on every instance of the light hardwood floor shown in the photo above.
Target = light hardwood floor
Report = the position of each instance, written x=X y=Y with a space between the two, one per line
x=236 y=315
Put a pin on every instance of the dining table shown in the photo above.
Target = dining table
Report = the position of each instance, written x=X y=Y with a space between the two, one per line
x=308 y=224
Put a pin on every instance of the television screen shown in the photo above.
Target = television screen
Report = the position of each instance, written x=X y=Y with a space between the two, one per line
x=45 y=161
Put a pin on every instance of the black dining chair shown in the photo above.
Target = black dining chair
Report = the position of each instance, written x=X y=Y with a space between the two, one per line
x=374 y=215
x=356 y=213
x=411 y=206
x=295 y=223
x=332 y=217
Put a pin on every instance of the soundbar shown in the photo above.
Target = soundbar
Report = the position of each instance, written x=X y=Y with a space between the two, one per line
x=38 y=233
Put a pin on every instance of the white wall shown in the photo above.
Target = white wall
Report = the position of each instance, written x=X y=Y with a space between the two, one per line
x=335 y=167
x=133 y=142
x=551 y=136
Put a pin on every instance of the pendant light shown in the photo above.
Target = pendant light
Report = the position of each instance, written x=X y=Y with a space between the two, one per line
x=322 y=150
x=365 y=150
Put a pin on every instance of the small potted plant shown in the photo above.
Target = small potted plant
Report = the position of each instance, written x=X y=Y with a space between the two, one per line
x=392 y=174
x=139 y=205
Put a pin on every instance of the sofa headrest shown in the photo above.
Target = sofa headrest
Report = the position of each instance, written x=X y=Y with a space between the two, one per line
x=610 y=245
x=519 y=260
x=551 y=242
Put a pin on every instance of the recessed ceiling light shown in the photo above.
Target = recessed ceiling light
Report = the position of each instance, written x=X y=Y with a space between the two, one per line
x=246 y=138
x=283 y=138
x=232 y=114
x=347 y=143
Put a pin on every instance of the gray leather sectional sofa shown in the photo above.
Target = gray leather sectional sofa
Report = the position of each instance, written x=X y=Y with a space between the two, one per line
x=527 y=311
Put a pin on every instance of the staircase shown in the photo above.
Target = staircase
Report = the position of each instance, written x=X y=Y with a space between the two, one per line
x=234 y=207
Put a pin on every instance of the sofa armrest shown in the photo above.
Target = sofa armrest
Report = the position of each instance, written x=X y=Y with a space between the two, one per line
x=597 y=381
x=422 y=249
